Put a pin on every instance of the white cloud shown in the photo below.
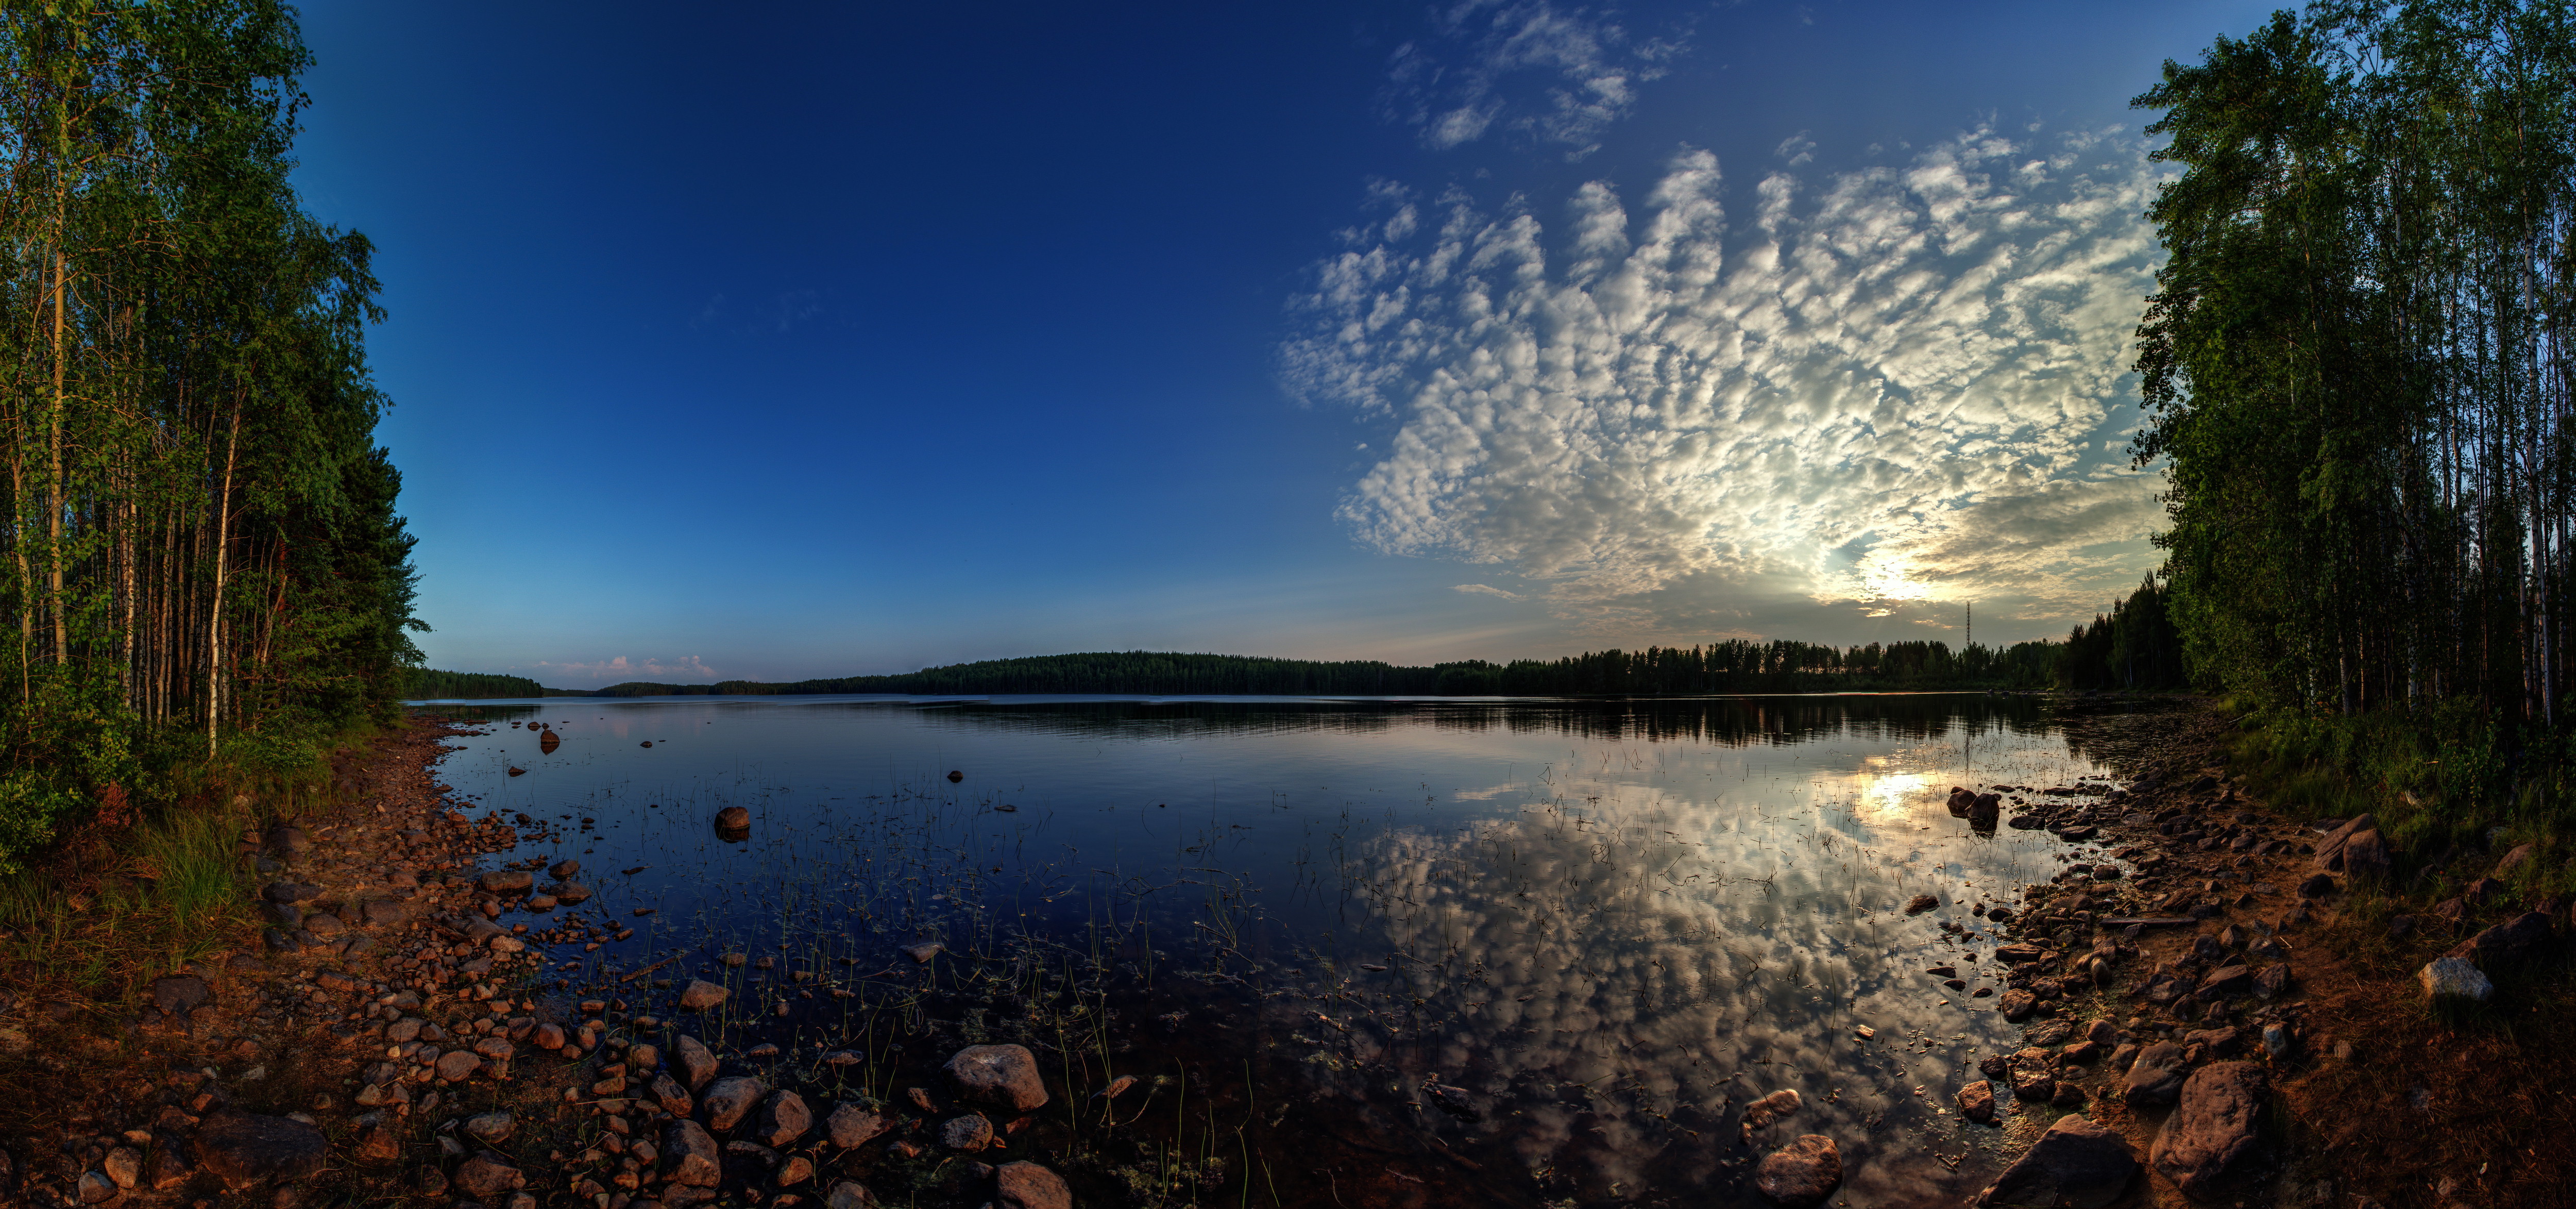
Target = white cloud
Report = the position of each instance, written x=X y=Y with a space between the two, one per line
x=1486 y=590
x=621 y=668
x=1554 y=75
x=1900 y=382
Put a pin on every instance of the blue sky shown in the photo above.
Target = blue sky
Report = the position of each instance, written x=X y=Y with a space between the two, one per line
x=839 y=339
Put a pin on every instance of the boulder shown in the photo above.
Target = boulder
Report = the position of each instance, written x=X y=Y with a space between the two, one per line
x=733 y=818
x=2156 y=1077
x=489 y=1177
x=1977 y=1102
x=848 y=1194
x=569 y=892
x=2033 y=1075
x=2225 y=981
x=850 y=1126
x=242 y=1148
x=1800 y=1174
x=563 y=869
x=783 y=1119
x=2213 y=1132
x=2507 y=944
x=2077 y=1162
x=2017 y=1005
x=2452 y=978
x=2513 y=860
x=690 y=1155
x=2366 y=855
x=1026 y=1186
x=728 y=1101
x=970 y=1132
x=673 y=1098
x=2330 y=849
x=1004 y=1076
x=700 y=995
x=697 y=1062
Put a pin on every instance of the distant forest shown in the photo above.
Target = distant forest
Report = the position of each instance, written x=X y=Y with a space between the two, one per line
x=2132 y=647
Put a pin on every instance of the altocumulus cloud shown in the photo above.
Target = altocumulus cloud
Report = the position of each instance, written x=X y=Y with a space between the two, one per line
x=1897 y=382
x=1553 y=75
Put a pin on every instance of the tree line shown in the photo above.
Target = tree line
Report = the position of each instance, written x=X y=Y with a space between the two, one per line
x=425 y=683
x=2356 y=362
x=1733 y=666
x=200 y=558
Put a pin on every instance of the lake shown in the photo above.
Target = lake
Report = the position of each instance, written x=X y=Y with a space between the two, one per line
x=1357 y=951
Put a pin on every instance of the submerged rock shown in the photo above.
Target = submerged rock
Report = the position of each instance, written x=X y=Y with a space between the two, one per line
x=1002 y=1075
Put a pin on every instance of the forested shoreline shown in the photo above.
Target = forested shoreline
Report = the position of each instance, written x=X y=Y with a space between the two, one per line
x=2357 y=377
x=2130 y=648
x=201 y=561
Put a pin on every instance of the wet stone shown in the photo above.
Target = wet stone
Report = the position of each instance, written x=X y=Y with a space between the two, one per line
x=728 y=1101
x=782 y=1120
x=1029 y=1186
x=1977 y=1102
x=1005 y=1076
x=697 y=1062
x=851 y=1126
x=1800 y=1174
x=2077 y=1163
x=970 y=1132
x=690 y=1155
x=700 y=995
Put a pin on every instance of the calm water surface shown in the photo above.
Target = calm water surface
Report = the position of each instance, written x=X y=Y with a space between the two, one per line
x=1610 y=926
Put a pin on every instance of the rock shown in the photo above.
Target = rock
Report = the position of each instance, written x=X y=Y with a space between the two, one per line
x=733 y=818
x=2157 y=1075
x=2032 y=1076
x=2513 y=860
x=794 y=1171
x=123 y=1165
x=697 y=1062
x=2077 y=1162
x=378 y=1143
x=700 y=995
x=1028 y=1186
x=458 y=1065
x=673 y=1098
x=506 y=881
x=2452 y=978
x=242 y=1148
x=383 y=913
x=495 y=1049
x=292 y=892
x=569 y=892
x=690 y=1155
x=783 y=1119
x=1800 y=1174
x=491 y=1128
x=170 y=1167
x=2366 y=855
x=94 y=1188
x=1761 y=1113
x=548 y=1036
x=2017 y=1004
x=922 y=953
x=2224 y=982
x=969 y=1132
x=1977 y=1102
x=728 y=1101
x=180 y=994
x=488 y=1176
x=2330 y=849
x=849 y=1195
x=1005 y=1076
x=643 y=1059
x=2506 y=944
x=2277 y=1042
x=2213 y=1131
x=2068 y=1095
x=851 y=1126
x=1921 y=903
x=2273 y=982
x=563 y=869
x=2318 y=885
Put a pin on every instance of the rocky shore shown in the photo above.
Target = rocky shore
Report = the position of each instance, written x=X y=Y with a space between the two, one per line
x=400 y=1028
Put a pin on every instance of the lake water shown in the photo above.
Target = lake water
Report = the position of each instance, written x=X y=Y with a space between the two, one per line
x=1607 y=927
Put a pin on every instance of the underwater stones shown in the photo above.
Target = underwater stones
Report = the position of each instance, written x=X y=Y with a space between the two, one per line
x=697 y=1062
x=1800 y=1174
x=733 y=818
x=700 y=995
x=1920 y=904
x=851 y=1126
x=1005 y=1076
x=1028 y=1186
x=922 y=953
x=1761 y=1113
x=729 y=1100
x=563 y=869
x=783 y=1119
x=673 y=1098
x=690 y=1156
x=569 y=892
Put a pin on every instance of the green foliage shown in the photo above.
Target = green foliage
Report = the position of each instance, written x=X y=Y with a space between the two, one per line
x=199 y=539
x=2135 y=647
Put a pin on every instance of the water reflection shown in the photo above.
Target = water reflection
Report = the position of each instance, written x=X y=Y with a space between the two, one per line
x=1611 y=926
